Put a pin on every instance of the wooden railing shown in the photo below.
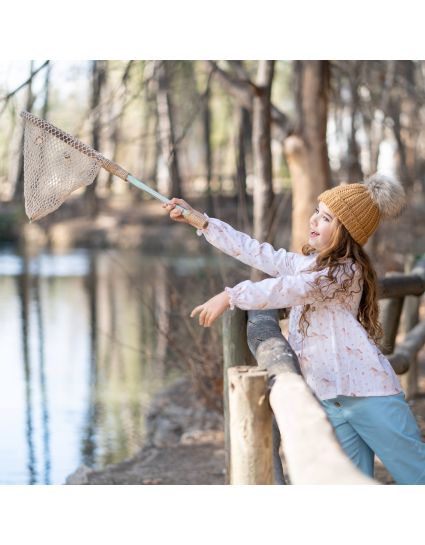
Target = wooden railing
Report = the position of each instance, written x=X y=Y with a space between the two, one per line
x=267 y=398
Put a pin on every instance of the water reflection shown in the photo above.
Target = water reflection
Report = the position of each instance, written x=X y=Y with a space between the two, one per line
x=42 y=376
x=23 y=295
x=86 y=343
x=88 y=439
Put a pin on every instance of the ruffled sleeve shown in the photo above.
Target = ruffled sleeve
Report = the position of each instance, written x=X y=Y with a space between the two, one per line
x=287 y=291
x=261 y=256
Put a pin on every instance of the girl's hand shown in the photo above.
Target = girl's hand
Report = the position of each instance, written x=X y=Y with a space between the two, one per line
x=175 y=213
x=212 y=309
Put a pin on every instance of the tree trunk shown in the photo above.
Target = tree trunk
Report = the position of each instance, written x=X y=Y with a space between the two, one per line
x=354 y=169
x=261 y=145
x=149 y=152
x=206 y=118
x=378 y=125
x=408 y=129
x=19 y=180
x=117 y=109
x=170 y=184
x=244 y=129
x=306 y=152
x=46 y=103
x=403 y=172
x=98 y=74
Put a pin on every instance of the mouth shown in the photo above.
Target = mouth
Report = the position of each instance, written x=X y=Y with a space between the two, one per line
x=313 y=234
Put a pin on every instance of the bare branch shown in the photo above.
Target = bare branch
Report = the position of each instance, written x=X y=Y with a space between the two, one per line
x=239 y=89
x=243 y=90
x=7 y=97
x=240 y=70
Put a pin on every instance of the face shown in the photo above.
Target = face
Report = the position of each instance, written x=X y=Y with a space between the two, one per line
x=322 y=225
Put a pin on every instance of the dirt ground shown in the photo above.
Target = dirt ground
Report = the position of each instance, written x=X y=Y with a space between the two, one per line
x=198 y=462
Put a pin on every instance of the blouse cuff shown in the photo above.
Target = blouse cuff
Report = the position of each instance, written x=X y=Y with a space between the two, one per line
x=231 y=296
x=200 y=232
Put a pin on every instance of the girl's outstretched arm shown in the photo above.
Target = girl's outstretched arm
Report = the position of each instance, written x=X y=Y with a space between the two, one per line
x=261 y=256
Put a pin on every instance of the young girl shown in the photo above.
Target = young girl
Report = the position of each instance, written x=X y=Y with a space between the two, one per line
x=333 y=325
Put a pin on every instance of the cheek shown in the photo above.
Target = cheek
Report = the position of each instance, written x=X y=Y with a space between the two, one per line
x=328 y=230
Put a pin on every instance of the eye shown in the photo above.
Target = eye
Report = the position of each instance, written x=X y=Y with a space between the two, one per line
x=316 y=210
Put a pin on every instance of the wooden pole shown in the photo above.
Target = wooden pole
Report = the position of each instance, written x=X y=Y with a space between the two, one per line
x=235 y=352
x=400 y=284
x=407 y=350
x=410 y=318
x=390 y=312
x=250 y=427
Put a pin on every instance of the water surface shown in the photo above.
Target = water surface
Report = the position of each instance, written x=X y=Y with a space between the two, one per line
x=84 y=340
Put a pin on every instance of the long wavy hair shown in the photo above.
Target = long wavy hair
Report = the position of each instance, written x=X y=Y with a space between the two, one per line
x=340 y=248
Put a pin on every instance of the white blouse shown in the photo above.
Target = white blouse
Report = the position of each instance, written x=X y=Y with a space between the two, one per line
x=336 y=357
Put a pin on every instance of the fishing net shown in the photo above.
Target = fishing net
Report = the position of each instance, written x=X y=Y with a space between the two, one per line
x=53 y=168
x=56 y=164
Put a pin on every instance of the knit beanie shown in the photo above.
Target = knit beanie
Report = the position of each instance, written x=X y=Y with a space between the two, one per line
x=361 y=206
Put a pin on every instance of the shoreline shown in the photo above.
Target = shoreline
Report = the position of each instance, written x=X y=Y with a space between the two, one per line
x=184 y=444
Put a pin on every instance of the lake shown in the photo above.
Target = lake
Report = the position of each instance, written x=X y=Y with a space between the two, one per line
x=85 y=346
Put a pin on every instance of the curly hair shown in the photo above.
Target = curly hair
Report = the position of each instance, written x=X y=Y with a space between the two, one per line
x=343 y=247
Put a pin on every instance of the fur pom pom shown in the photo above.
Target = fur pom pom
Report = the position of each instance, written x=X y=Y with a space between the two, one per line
x=387 y=193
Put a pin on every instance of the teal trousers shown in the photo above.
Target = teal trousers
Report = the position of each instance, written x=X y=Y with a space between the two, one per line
x=381 y=425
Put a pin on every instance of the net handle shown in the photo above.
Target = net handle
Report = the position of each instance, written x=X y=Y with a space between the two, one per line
x=196 y=219
x=193 y=217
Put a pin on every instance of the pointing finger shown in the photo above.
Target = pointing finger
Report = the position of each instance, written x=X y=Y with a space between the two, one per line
x=195 y=311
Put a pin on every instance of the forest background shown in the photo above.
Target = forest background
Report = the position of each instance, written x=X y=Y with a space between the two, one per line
x=269 y=135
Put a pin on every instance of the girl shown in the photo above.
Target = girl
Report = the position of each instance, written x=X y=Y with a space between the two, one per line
x=333 y=326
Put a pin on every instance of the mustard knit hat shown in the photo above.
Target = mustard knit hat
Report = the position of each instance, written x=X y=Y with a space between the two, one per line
x=361 y=206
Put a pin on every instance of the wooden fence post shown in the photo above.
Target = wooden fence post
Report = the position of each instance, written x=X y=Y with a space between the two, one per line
x=409 y=380
x=235 y=352
x=250 y=426
x=390 y=312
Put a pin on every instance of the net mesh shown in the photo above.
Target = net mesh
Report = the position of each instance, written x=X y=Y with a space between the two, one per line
x=55 y=165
